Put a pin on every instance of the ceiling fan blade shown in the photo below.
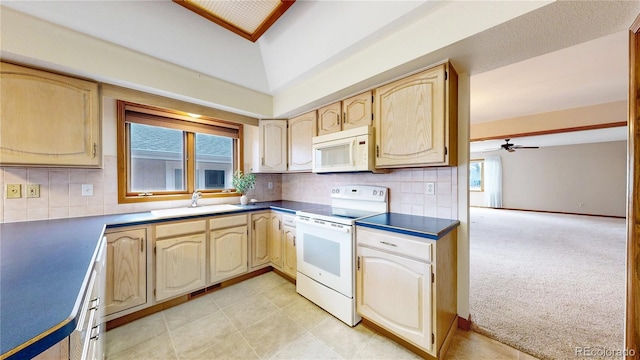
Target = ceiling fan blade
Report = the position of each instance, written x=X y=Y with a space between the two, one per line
x=525 y=147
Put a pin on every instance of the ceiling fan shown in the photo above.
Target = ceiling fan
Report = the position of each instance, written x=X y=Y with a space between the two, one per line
x=511 y=148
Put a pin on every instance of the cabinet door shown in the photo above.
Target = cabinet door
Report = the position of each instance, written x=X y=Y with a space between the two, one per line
x=329 y=119
x=289 y=265
x=227 y=253
x=410 y=120
x=275 y=240
x=300 y=133
x=356 y=111
x=126 y=270
x=273 y=145
x=48 y=119
x=259 y=239
x=395 y=293
x=180 y=265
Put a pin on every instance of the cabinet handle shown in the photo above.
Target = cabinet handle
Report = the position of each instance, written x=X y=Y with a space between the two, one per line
x=96 y=304
x=344 y=117
x=388 y=243
x=97 y=335
x=358 y=262
x=294 y=241
x=338 y=119
x=262 y=161
x=141 y=245
x=377 y=150
x=95 y=149
x=279 y=225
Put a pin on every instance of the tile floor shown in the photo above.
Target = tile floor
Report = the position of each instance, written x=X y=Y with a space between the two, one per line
x=264 y=318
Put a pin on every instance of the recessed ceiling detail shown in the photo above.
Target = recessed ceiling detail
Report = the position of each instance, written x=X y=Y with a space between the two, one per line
x=247 y=18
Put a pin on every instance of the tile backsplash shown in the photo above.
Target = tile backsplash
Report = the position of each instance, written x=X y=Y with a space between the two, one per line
x=407 y=189
x=61 y=194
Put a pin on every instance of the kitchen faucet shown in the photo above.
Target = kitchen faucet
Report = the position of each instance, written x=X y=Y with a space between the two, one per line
x=194 y=198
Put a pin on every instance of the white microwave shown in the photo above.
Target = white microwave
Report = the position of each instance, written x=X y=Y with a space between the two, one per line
x=345 y=151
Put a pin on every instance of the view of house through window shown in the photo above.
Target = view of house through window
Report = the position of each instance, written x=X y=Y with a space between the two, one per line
x=476 y=175
x=167 y=154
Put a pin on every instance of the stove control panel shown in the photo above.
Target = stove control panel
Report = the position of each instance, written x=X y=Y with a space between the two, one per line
x=359 y=192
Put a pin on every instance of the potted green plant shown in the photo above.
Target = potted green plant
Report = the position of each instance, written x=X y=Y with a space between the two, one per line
x=243 y=183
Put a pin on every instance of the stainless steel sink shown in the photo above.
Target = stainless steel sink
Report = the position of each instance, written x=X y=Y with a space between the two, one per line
x=206 y=209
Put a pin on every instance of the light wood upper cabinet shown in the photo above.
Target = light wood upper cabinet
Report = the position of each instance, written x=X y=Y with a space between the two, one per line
x=347 y=114
x=48 y=119
x=356 y=111
x=273 y=146
x=416 y=120
x=275 y=240
x=260 y=239
x=329 y=119
x=289 y=265
x=301 y=130
x=180 y=258
x=126 y=270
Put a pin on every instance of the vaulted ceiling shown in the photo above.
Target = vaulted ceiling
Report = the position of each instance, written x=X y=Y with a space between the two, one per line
x=559 y=55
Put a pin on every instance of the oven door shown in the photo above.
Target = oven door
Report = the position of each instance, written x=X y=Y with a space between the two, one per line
x=325 y=253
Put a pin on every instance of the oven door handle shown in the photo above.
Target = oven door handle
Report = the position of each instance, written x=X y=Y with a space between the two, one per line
x=327 y=225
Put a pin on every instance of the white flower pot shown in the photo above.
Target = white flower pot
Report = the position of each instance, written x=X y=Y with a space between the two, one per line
x=244 y=200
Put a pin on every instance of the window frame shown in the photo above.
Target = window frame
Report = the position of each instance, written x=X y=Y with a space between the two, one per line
x=189 y=125
x=481 y=162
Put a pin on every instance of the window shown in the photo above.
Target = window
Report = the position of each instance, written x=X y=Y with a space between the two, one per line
x=476 y=175
x=164 y=154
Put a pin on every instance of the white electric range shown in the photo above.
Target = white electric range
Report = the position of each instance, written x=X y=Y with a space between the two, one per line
x=326 y=248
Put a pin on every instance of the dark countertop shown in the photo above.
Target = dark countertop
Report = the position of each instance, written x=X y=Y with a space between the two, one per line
x=44 y=264
x=421 y=226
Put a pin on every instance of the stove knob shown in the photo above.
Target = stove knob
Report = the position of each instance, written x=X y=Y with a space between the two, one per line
x=338 y=191
x=381 y=192
x=375 y=192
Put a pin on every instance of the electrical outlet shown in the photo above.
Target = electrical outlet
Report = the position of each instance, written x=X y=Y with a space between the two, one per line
x=87 y=189
x=14 y=191
x=431 y=188
x=270 y=185
x=33 y=190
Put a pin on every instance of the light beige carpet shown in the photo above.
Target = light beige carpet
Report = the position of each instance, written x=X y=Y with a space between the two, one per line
x=550 y=285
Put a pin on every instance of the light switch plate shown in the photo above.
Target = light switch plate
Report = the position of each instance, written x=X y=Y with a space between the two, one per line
x=33 y=190
x=430 y=188
x=14 y=191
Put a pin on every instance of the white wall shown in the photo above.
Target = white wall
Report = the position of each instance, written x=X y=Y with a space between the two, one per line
x=561 y=178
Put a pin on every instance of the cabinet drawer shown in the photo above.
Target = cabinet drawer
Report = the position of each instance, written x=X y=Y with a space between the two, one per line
x=227 y=221
x=180 y=228
x=289 y=220
x=394 y=243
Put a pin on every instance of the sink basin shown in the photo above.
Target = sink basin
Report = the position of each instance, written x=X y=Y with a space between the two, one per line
x=207 y=209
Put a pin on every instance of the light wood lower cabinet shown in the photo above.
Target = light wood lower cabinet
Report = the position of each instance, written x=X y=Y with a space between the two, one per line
x=407 y=285
x=228 y=251
x=126 y=270
x=260 y=239
x=180 y=258
x=274 y=237
x=395 y=292
x=289 y=265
